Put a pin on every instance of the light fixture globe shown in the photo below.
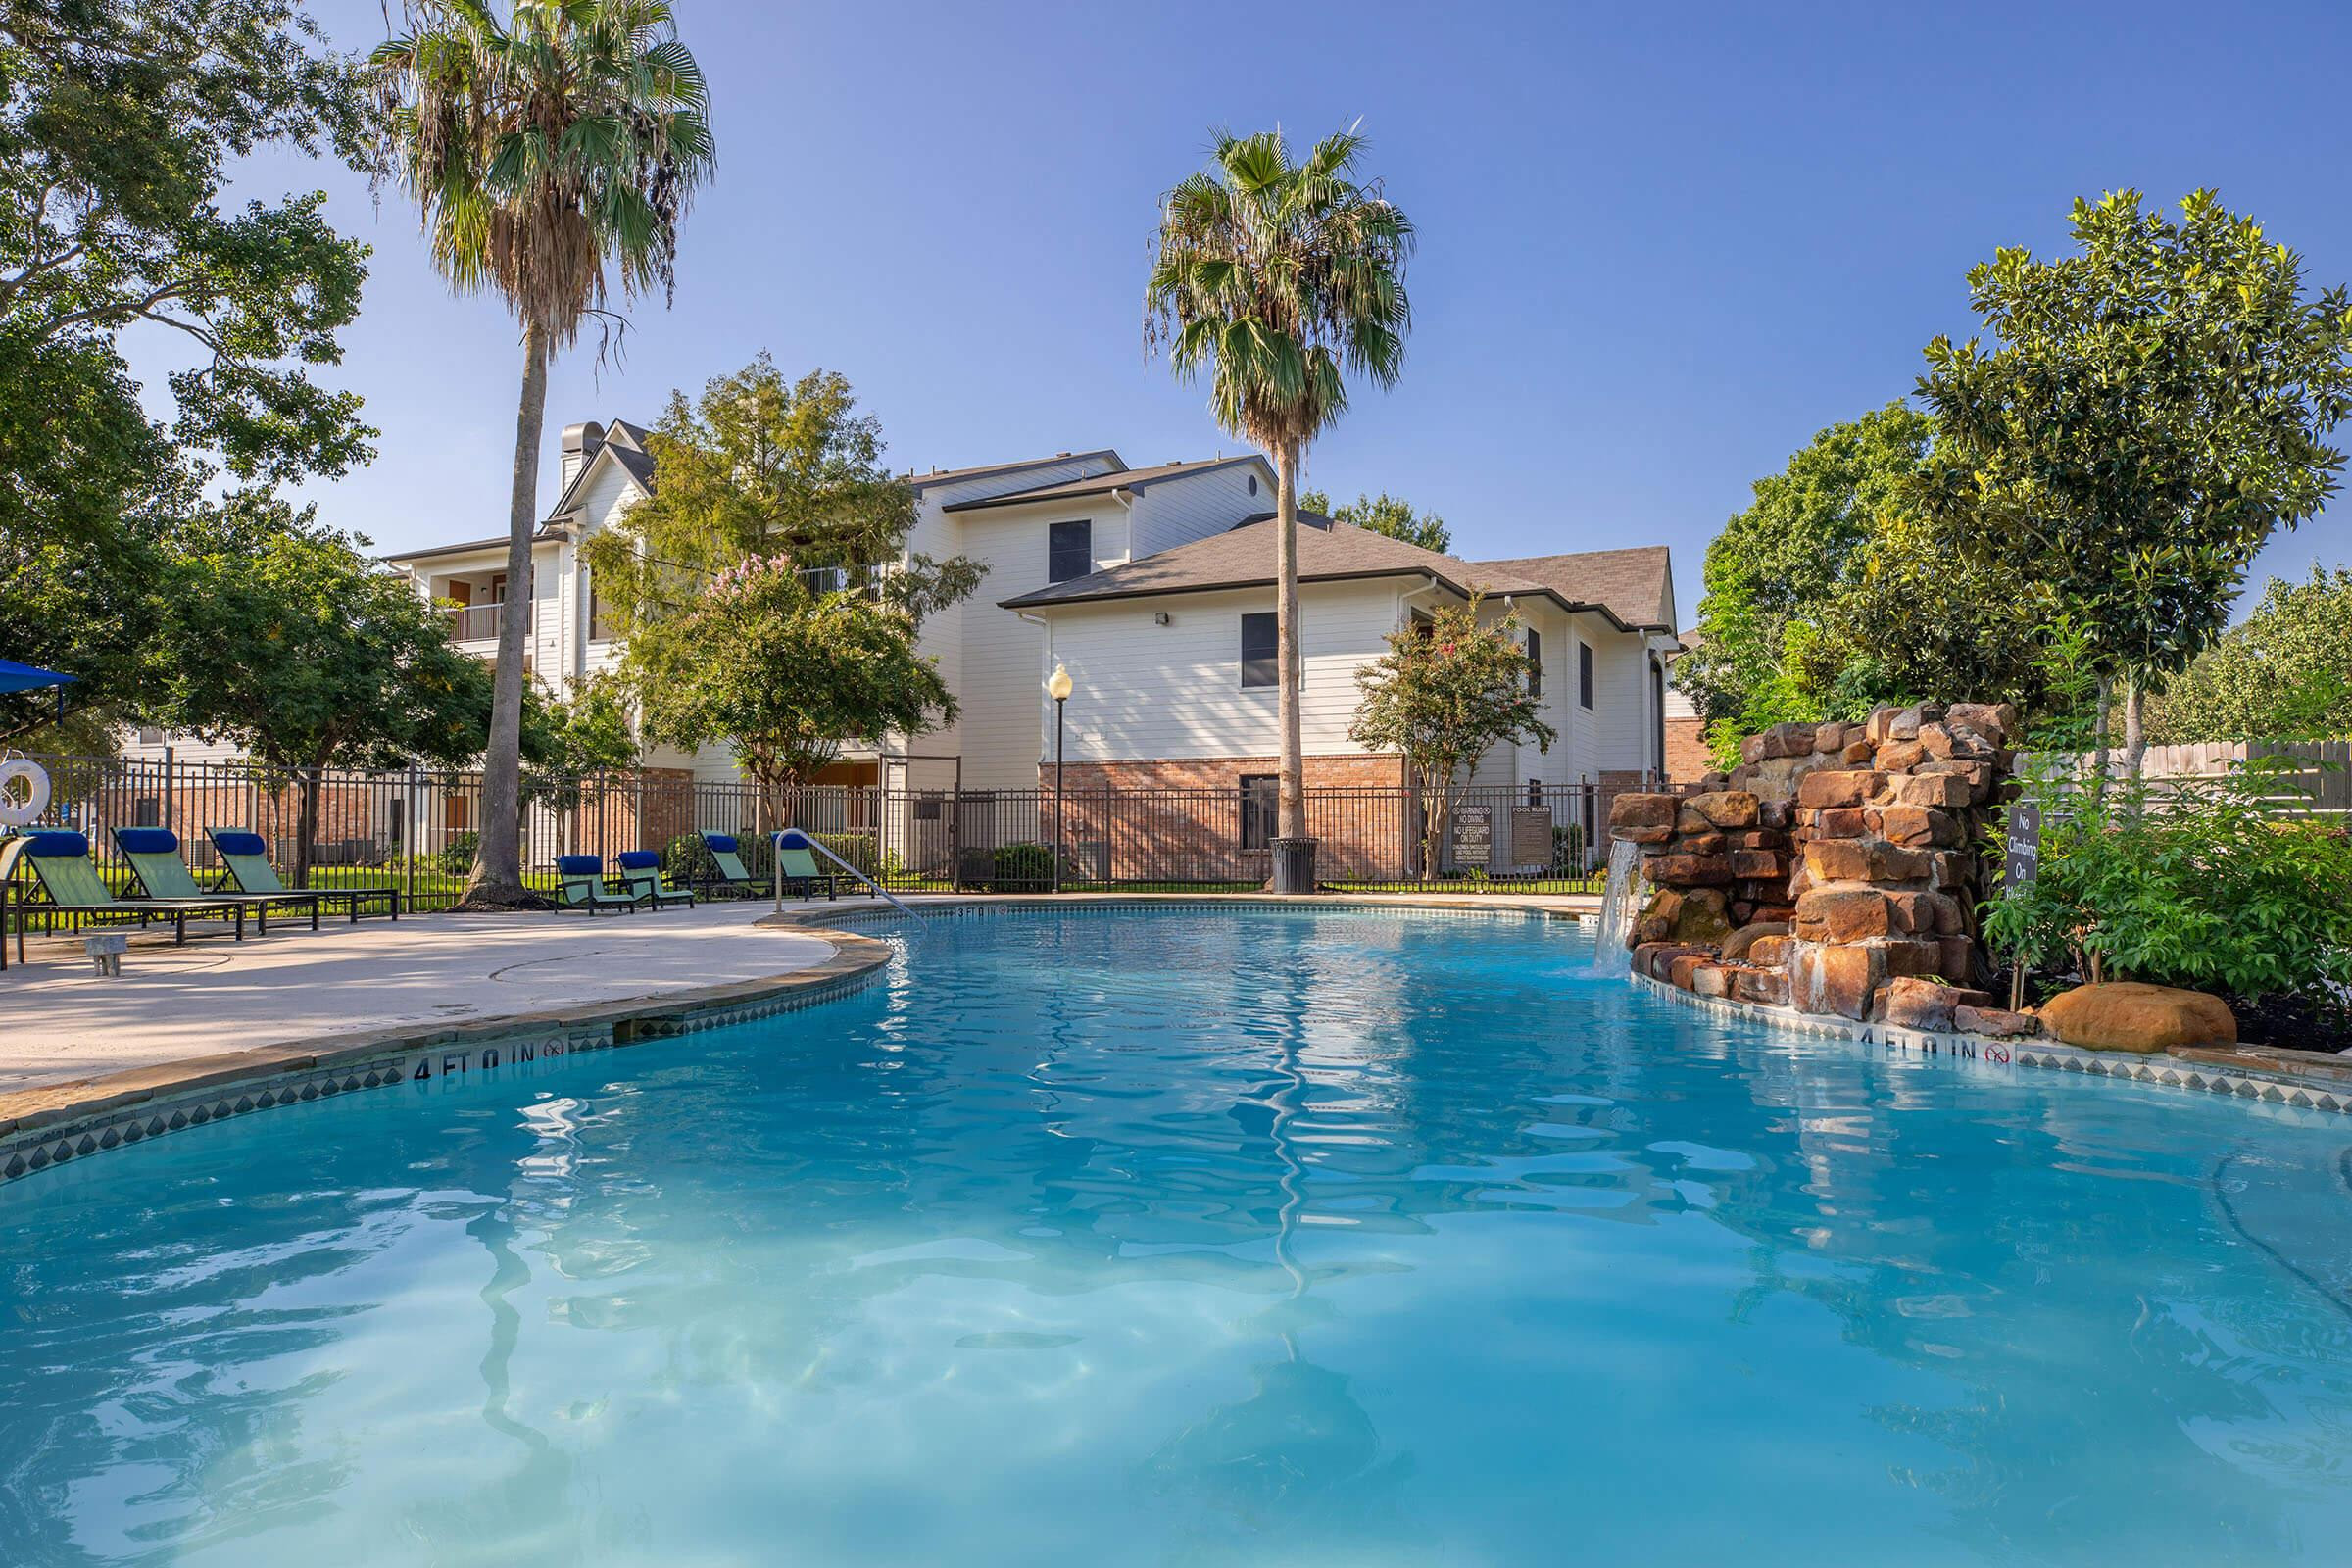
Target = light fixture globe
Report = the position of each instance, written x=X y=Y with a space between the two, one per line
x=1058 y=685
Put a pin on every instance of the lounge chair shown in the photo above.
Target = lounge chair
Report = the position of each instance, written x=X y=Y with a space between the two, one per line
x=583 y=887
x=796 y=870
x=246 y=857
x=67 y=883
x=734 y=878
x=154 y=856
x=641 y=874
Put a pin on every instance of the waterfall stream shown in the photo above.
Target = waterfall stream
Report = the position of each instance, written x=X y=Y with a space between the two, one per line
x=1620 y=907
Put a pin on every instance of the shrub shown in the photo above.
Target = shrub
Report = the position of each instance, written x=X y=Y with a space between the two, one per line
x=858 y=849
x=1023 y=864
x=456 y=857
x=2204 y=883
x=1568 y=850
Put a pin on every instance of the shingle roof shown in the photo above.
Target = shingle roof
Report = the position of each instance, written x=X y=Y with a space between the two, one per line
x=1243 y=556
x=1103 y=483
x=924 y=481
x=1636 y=585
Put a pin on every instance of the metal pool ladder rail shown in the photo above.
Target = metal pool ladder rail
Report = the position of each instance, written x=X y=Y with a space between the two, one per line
x=792 y=838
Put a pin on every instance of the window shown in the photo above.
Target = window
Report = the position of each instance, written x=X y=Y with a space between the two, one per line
x=1261 y=650
x=1069 y=550
x=929 y=808
x=147 y=812
x=1584 y=675
x=149 y=735
x=1261 y=797
x=1535 y=662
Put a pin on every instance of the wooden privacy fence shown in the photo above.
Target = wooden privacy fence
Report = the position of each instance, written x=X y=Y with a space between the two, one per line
x=2317 y=780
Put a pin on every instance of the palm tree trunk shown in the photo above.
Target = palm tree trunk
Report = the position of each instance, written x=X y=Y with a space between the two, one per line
x=497 y=881
x=1290 y=818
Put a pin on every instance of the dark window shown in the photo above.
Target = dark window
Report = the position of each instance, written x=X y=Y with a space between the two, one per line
x=929 y=808
x=149 y=735
x=148 y=811
x=1535 y=662
x=1069 y=550
x=1261 y=796
x=1261 y=650
x=1657 y=718
x=1583 y=673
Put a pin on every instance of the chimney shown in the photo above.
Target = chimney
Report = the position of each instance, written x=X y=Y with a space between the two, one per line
x=580 y=443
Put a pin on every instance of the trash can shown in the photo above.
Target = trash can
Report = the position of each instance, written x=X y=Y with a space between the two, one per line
x=1294 y=865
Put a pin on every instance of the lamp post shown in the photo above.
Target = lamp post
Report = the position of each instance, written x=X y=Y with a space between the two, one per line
x=1058 y=686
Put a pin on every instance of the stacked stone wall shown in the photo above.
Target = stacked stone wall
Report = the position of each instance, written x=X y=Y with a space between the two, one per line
x=1838 y=869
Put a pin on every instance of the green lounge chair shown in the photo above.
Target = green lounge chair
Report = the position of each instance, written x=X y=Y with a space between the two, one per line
x=583 y=887
x=66 y=883
x=246 y=857
x=641 y=874
x=734 y=879
x=154 y=856
x=797 y=868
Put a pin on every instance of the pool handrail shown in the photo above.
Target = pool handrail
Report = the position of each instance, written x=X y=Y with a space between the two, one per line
x=806 y=841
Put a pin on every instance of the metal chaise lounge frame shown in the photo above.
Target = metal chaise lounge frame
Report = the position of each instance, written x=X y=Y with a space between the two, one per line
x=641 y=874
x=153 y=853
x=245 y=863
x=70 y=885
x=582 y=887
x=797 y=868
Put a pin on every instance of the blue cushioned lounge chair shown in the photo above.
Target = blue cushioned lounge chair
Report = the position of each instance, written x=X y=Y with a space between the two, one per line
x=246 y=857
x=583 y=887
x=66 y=885
x=641 y=874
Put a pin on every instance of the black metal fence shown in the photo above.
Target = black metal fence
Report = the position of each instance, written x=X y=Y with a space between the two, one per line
x=417 y=830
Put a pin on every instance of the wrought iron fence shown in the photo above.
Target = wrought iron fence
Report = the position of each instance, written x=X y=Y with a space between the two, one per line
x=417 y=830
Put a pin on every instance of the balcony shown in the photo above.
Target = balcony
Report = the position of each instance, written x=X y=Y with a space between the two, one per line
x=479 y=623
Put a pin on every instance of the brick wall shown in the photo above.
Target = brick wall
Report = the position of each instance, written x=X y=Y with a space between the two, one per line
x=1688 y=760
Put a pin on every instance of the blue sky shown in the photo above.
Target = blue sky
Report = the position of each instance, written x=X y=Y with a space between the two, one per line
x=1659 y=247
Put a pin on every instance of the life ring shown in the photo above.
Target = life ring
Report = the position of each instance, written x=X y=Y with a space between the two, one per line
x=27 y=811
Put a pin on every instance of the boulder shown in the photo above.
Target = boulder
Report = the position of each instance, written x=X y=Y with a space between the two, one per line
x=1996 y=722
x=2126 y=1016
x=1759 y=866
x=1861 y=860
x=1925 y=915
x=1921 y=956
x=1656 y=958
x=1767 y=986
x=1726 y=808
x=1656 y=922
x=1737 y=945
x=1918 y=826
x=1931 y=789
x=1999 y=1022
x=1709 y=842
x=1701 y=918
x=1959 y=959
x=1638 y=810
x=1915 y=1003
x=1711 y=979
x=1682 y=968
x=1688 y=871
x=1771 y=953
x=1857 y=753
x=1844 y=915
x=1834 y=980
x=1879 y=727
x=1776 y=814
x=1828 y=787
x=1840 y=822
x=1751 y=750
x=1900 y=756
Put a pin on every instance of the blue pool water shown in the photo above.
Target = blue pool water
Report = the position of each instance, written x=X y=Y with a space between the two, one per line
x=1194 y=1238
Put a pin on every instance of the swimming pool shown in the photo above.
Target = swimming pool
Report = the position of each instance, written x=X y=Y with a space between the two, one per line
x=1195 y=1235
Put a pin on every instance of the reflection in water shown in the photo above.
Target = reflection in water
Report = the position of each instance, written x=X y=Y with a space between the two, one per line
x=1190 y=1237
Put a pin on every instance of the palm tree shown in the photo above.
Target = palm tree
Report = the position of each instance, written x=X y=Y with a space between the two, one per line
x=540 y=153
x=1281 y=279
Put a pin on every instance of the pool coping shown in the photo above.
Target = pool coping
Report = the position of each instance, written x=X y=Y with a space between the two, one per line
x=53 y=1123
x=2297 y=1080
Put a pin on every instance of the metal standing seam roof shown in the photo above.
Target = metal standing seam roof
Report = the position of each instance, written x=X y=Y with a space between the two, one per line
x=939 y=477
x=1243 y=556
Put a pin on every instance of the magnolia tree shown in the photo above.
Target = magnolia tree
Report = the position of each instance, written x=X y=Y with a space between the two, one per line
x=785 y=673
x=1445 y=691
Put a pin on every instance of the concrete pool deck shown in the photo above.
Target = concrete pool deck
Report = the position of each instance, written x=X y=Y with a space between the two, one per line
x=61 y=1023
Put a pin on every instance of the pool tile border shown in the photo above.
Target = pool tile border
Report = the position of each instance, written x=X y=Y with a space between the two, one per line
x=2322 y=1083
x=51 y=1125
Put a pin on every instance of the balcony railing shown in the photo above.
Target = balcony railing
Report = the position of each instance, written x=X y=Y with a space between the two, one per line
x=479 y=623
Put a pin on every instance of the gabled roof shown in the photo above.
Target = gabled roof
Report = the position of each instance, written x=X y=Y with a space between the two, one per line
x=940 y=476
x=1104 y=483
x=1636 y=585
x=624 y=443
x=1243 y=556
